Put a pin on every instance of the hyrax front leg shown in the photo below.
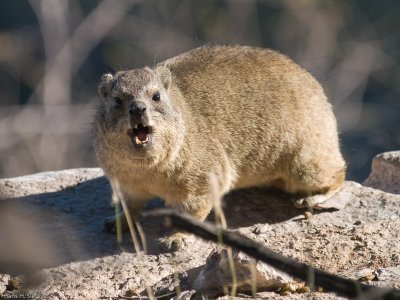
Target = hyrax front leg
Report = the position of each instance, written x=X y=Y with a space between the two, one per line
x=198 y=207
x=210 y=190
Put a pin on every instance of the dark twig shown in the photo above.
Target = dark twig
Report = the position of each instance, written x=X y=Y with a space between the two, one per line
x=332 y=283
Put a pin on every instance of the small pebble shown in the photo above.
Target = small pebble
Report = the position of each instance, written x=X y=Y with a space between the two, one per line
x=307 y=215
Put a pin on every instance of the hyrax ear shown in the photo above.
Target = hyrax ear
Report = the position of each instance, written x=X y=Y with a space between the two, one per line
x=165 y=76
x=105 y=85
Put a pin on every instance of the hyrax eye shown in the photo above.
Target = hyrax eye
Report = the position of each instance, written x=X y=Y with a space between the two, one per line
x=118 y=102
x=156 y=96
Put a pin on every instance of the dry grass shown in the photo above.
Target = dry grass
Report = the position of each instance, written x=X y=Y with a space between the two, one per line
x=118 y=198
x=220 y=222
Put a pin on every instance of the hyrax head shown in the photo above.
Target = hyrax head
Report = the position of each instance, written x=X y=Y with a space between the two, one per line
x=138 y=113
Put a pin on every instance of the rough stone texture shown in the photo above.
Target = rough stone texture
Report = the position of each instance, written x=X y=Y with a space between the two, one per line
x=4 y=280
x=385 y=174
x=217 y=275
x=46 y=182
x=53 y=221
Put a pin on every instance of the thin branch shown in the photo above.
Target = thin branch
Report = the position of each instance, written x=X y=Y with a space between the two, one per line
x=332 y=283
x=86 y=37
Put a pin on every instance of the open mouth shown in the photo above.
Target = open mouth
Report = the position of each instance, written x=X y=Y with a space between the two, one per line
x=140 y=135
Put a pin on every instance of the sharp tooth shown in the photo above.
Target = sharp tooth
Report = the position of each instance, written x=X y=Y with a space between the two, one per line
x=136 y=126
x=137 y=141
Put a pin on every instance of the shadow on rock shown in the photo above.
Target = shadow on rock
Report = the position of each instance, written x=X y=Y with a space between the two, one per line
x=49 y=229
x=247 y=207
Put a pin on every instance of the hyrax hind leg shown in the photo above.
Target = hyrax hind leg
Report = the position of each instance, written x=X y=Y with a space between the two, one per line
x=314 y=178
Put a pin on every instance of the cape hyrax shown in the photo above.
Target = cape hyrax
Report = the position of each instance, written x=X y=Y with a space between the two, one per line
x=248 y=116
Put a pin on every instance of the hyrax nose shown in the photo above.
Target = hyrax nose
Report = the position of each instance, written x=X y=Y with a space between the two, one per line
x=137 y=109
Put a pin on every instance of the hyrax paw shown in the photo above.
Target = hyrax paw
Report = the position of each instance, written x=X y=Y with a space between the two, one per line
x=110 y=224
x=174 y=242
x=311 y=201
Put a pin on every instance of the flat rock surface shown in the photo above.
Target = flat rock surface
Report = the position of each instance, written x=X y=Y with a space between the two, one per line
x=53 y=222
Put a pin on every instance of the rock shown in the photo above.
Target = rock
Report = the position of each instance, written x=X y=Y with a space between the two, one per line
x=390 y=274
x=60 y=215
x=171 y=285
x=365 y=275
x=340 y=199
x=46 y=182
x=216 y=276
x=4 y=281
x=385 y=174
x=261 y=228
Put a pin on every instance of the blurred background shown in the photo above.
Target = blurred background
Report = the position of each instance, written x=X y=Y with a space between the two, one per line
x=52 y=53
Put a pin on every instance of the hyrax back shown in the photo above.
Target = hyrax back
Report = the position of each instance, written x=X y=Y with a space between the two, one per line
x=240 y=115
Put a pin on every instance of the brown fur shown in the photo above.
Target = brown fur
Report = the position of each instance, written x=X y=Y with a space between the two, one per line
x=249 y=116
